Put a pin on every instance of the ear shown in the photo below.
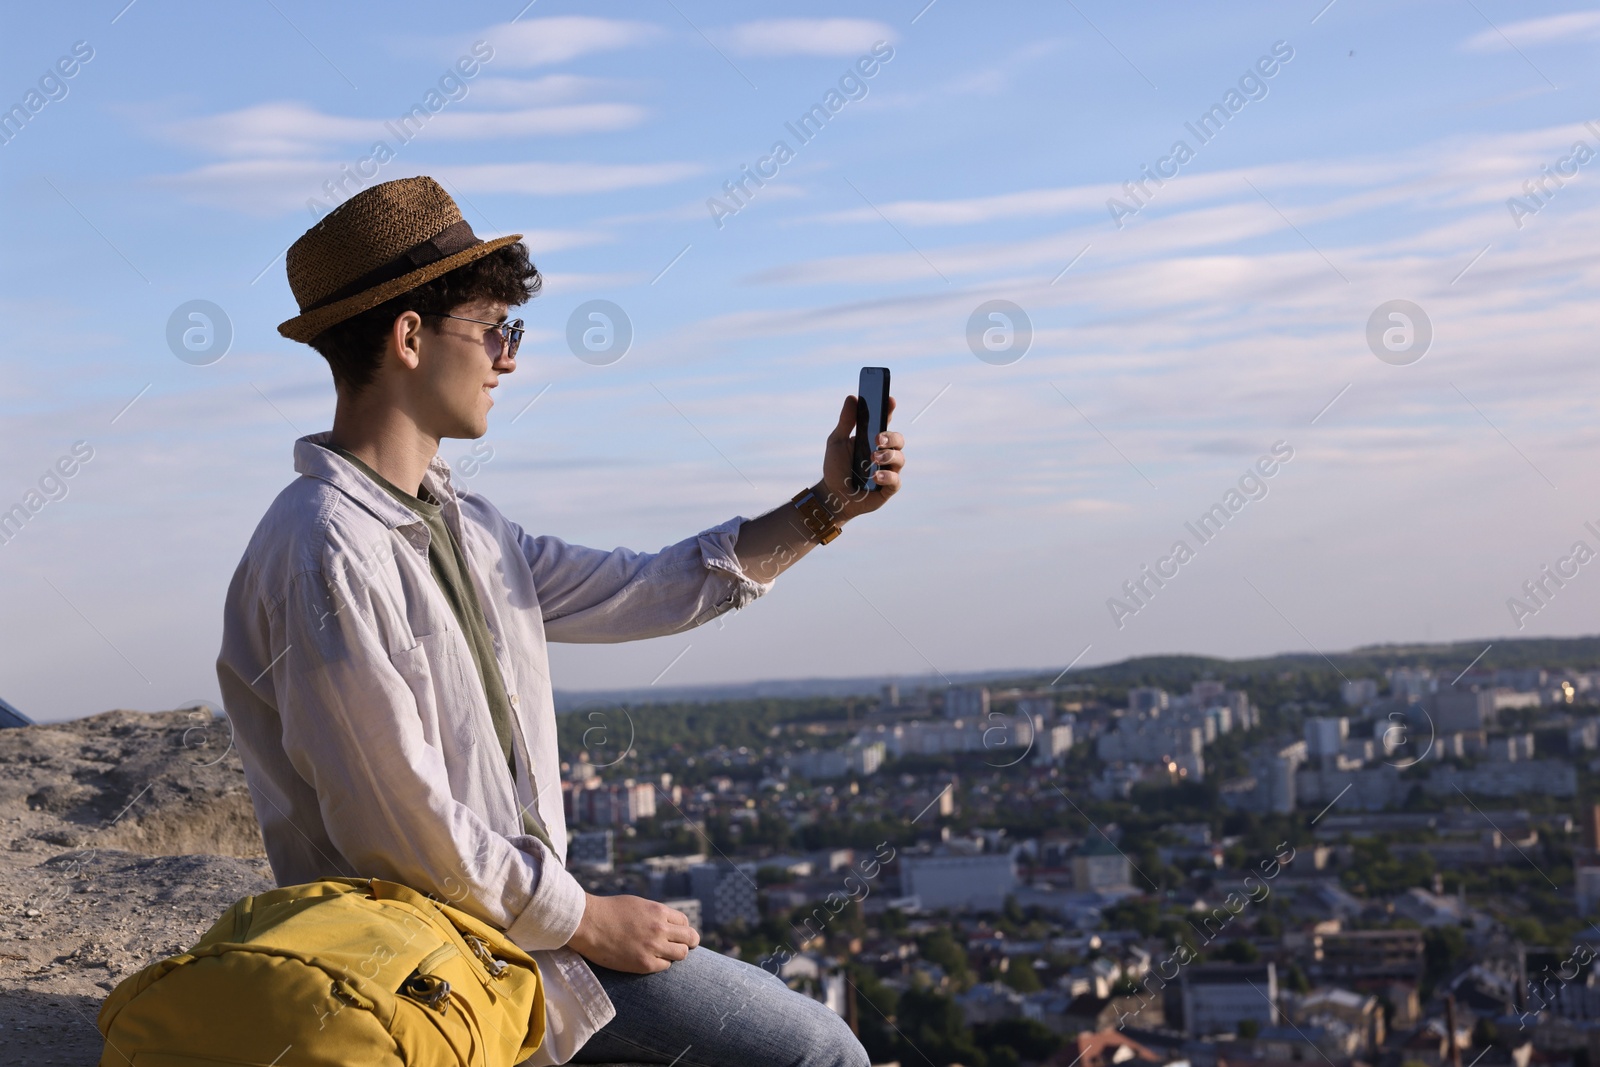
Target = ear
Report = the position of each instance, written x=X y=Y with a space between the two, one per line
x=405 y=339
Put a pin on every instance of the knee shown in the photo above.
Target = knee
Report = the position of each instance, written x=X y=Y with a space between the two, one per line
x=829 y=1043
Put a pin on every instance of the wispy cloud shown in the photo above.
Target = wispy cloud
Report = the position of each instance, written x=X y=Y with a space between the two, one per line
x=997 y=77
x=268 y=187
x=540 y=241
x=540 y=42
x=1452 y=172
x=806 y=37
x=536 y=122
x=279 y=129
x=1166 y=301
x=1573 y=27
x=559 y=284
x=562 y=179
x=532 y=92
x=290 y=129
x=1030 y=203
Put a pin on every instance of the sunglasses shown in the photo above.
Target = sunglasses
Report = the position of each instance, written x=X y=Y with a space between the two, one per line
x=507 y=336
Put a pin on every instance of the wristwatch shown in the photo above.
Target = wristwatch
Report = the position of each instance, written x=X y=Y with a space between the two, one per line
x=815 y=514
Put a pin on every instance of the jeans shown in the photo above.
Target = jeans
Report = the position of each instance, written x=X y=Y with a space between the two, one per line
x=710 y=1010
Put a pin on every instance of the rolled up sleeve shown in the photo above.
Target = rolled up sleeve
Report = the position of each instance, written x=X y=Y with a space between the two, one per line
x=589 y=595
x=351 y=729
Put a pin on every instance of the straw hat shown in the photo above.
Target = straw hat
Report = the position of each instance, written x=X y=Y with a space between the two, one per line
x=386 y=239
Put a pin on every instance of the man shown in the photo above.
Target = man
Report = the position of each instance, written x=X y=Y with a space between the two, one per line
x=384 y=646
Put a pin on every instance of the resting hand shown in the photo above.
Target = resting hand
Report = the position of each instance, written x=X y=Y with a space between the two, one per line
x=632 y=934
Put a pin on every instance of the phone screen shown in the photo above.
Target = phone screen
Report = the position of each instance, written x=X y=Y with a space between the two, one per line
x=872 y=414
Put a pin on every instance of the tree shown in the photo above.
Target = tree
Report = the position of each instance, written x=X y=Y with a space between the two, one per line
x=1528 y=930
x=770 y=830
x=1021 y=976
x=876 y=1004
x=1030 y=1039
x=1238 y=951
x=1443 y=948
x=939 y=947
x=1140 y=913
x=932 y=1026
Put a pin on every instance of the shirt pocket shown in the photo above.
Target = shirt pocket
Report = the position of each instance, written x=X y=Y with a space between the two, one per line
x=434 y=672
x=443 y=679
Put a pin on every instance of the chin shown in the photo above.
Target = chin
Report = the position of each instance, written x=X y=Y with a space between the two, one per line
x=471 y=424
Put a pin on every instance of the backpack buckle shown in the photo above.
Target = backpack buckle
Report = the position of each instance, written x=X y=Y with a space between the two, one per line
x=430 y=989
x=480 y=948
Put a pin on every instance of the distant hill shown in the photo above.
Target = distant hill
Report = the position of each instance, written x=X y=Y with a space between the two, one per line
x=782 y=689
x=1174 y=669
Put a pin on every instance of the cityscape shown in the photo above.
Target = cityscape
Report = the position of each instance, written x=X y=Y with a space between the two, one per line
x=1390 y=860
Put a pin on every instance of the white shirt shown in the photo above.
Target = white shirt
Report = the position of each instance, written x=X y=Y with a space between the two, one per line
x=362 y=722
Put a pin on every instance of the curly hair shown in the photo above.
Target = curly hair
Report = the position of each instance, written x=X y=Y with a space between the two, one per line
x=354 y=348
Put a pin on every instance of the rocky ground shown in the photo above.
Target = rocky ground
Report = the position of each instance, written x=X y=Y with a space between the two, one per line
x=122 y=838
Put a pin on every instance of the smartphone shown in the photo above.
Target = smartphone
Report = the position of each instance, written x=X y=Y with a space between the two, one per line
x=872 y=418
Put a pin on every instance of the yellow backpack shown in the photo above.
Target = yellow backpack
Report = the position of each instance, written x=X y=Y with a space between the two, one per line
x=328 y=974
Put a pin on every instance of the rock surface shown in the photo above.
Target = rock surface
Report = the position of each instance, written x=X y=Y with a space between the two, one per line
x=122 y=838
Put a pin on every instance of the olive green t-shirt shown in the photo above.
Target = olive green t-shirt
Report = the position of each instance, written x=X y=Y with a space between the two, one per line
x=449 y=567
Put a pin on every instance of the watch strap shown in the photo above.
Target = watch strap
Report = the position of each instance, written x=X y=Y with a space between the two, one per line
x=815 y=514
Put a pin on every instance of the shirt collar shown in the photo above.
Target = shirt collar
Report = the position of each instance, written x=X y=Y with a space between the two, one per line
x=314 y=460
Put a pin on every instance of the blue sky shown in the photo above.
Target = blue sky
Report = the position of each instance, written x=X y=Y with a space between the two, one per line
x=1168 y=354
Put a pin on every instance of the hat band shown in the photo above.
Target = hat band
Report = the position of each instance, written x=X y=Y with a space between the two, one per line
x=457 y=237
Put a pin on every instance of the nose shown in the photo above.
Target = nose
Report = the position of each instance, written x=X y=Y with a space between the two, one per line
x=504 y=361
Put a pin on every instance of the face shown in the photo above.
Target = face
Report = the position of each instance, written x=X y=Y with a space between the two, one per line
x=456 y=374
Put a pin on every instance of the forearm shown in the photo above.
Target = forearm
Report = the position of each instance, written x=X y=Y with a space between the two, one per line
x=770 y=544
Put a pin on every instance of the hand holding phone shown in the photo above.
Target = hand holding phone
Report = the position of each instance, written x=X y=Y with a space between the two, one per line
x=872 y=418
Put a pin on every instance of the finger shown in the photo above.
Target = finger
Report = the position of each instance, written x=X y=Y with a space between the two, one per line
x=887 y=415
x=888 y=481
x=677 y=918
x=891 y=439
x=889 y=459
x=847 y=421
x=673 y=952
x=655 y=965
x=682 y=933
